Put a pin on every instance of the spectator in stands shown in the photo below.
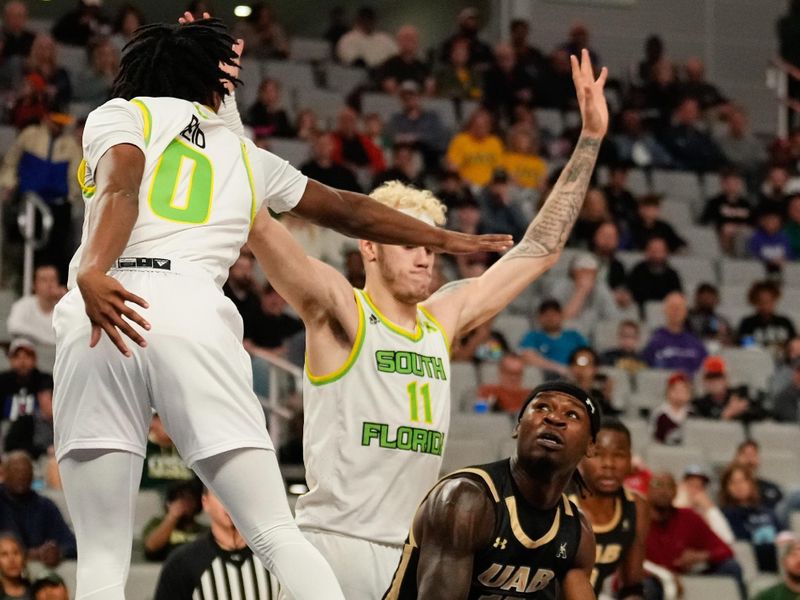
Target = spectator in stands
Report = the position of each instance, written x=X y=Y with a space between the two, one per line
x=324 y=169
x=650 y=224
x=691 y=147
x=720 y=401
x=273 y=326
x=605 y=244
x=704 y=321
x=693 y=493
x=178 y=526
x=749 y=519
x=769 y=243
x=667 y=419
x=405 y=65
x=653 y=53
x=32 y=315
x=163 y=466
x=776 y=188
x=730 y=212
x=31 y=100
x=374 y=129
x=528 y=56
x=33 y=518
x=240 y=289
x=764 y=327
x=17 y=38
x=786 y=401
x=50 y=587
x=43 y=61
x=584 y=371
x=621 y=202
x=789 y=35
x=740 y=146
x=673 y=346
x=307 y=125
x=506 y=84
x=784 y=371
x=479 y=54
x=404 y=168
x=791 y=229
x=476 y=152
x=129 y=18
x=662 y=93
x=93 y=85
x=26 y=394
x=626 y=354
x=364 y=45
x=653 y=278
x=550 y=347
x=43 y=159
x=266 y=116
x=457 y=195
x=337 y=27
x=680 y=540
x=554 y=89
x=456 y=78
x=78 y=26
x=594 y=213
x=586 y=299
x=418 y=126
x=482 y=344
x=263 y=35
x=509 y=393
x=499 y=211
x=215 y=563
x=748 y=455
x=789 y=587
x=13 y=581
x=578 y=40
x=352 y=148
x=696 y=86
x=522 y=160
x=635 y=144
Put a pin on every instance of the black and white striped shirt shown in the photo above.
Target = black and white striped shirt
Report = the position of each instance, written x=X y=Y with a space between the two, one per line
x=201 y=570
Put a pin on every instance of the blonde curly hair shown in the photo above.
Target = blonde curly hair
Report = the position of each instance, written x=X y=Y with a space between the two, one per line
x=399 y=196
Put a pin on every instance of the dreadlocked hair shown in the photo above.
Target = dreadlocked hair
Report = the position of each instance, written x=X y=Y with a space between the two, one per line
x=177 y=61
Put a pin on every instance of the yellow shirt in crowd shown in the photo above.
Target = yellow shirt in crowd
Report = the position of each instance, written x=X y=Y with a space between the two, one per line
x=475 y=160
x=526 y=170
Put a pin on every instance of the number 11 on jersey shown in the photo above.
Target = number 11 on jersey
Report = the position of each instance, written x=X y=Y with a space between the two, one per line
x=413 y=398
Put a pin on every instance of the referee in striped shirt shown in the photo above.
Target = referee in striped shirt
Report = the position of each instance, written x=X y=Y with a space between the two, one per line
x=216 y=566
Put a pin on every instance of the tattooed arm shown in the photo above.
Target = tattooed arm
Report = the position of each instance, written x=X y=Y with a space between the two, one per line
x=462 y=305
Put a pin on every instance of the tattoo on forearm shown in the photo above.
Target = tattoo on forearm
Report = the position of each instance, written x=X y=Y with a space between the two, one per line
x=548 y=232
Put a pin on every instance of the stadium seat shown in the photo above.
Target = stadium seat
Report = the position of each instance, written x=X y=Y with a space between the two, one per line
x=781 y=466
x=710 y=184
x=344 y=79
x=620 y=385
x=750 y=366
x=710 y=435
x=652 y=381
x=630 y=258
x=640 y=433
x=465 y=109
x=761 y=582
x=604 y=336
x=446 y=110
x=524 y=304
x=639 y=401
x=702 y=241
x=794 y=522
x=694 y=270
x=673 y=458
x=735 y=271
x=325 y=103
x=309 y=49
x=654 y=314
x=776 y=436
x=46 y=357
x=705 y=587
x=677 y=213
x=513 y=327
x=383 y=104
x=463 y=384
x=142 y=581
x=292 y=75
x=460 y=453
x=481 y=425
x=149 y=504
x=251 y=75
x=7 y=298
x=295 y=151
x=638 y=182
x=680 y=185
x=531 y=376
x=7 y=136
x=791 y=274
x=746 y=556
x=550 y=120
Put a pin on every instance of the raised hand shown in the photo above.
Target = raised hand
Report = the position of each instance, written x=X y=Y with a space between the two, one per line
x=464 y=243
x=591 y=100
x=238 y=48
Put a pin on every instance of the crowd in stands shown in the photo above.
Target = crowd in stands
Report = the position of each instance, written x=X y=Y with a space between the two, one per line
x=487 y=128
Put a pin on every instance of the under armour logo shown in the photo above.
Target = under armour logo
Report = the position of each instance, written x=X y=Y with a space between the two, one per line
x=626 y=525
x=500 y=543
x=193 y=133
x=429 y=327
x=590 y=405
x=562 y=551
x=373 y=320
x=161 y=263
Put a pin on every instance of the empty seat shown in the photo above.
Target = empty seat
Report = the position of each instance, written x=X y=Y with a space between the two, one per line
x=513 y=327
x=7 y=136
x=702 y=241
x=654 y=313
x=251 y=75
x=711 y=435
x=734 y=271
x=309 y=49
x=746 y=556
x=694 y=270
x=446 y=110
x=295 y=151
x=148 y=505
x=640 y=433
x=344 y=79
x=682 y=185
x=383 y=104
x=752 y=366
x=460 y=453
x=638 y=183
x=677 y=212
x=644 y=402
x=550 y=119
x=620 y=386
x=653 y=381
x=604 y=336
x=325 y=103
x=781 y=467
x=292 y=75
x=673 y=458
x=463 y=384
x=57 y=496
x=705 y=587
x=484 y=425
x=7 y=299
x=46 y=357
x=776 y=436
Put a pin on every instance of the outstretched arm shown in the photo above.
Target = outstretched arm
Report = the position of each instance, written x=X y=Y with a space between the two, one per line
x=462 y=305
x=454 y=522
x=577 y=584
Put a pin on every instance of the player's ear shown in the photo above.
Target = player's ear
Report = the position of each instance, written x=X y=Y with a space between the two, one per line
x=591 y=450
x=515 y=433
x=368 y=250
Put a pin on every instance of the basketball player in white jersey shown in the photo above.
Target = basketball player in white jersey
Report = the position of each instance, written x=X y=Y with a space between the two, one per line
x=376 y=392
x=171 y=193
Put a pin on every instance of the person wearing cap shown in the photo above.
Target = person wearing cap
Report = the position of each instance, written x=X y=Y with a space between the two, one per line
x=26 y=394
x=417 y=126
x=719 y=401
x=789 y=586
x=482 y=521
x=469 y=27
x=49 y=587
x=667 y=420
x=378 y=365
x=586 y=299
x=551 y=346
x=405 y=65
x=364 y=45
x=500 y=210
x=693 y=493
x=476 y=152
x=673 y=346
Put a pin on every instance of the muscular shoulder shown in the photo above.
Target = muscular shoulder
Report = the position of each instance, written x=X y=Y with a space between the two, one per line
x=459 y=512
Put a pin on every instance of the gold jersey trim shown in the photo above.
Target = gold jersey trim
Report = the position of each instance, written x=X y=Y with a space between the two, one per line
x=519 y=533
x=148 y=119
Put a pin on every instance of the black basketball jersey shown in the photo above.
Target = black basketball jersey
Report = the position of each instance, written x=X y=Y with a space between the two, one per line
x=530 y=553
x=613 y=539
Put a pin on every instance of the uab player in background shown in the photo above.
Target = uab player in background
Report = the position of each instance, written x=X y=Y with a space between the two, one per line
x=619 y=517
x=376 y=391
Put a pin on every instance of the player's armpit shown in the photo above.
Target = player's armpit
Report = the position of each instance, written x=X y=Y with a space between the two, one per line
x=455 y=521
x=577 y=585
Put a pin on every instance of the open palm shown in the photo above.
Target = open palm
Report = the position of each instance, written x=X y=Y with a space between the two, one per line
x=591 y=99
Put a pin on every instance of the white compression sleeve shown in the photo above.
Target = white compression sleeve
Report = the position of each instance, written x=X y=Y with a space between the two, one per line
x=100 y=488
x=250 y=486
x=229 y=113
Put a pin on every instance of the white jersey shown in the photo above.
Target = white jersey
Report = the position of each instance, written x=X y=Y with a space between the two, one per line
x=202 y=183
x=375 y=429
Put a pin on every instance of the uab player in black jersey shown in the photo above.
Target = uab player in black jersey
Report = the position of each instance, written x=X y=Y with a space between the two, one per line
x=507 y=530
x=619 y=517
